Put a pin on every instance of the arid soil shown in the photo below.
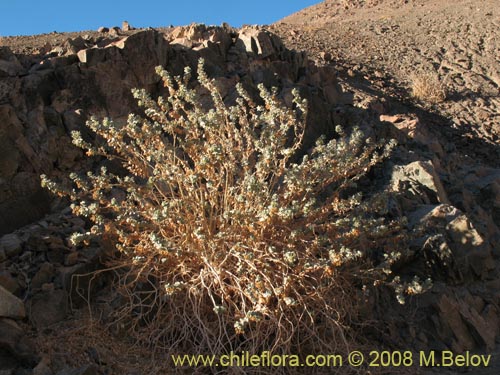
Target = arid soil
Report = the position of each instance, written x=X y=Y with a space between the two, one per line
x=383 y=45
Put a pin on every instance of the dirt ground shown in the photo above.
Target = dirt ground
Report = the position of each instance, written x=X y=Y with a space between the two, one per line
x=384 y=44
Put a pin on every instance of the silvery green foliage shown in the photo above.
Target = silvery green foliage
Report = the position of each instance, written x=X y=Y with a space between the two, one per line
x=219 y=209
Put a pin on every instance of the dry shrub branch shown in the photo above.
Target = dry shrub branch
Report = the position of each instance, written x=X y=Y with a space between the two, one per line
x=427 y=87
x=227 y=242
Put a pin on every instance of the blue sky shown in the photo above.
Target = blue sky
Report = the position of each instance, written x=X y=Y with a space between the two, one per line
x=26 y=17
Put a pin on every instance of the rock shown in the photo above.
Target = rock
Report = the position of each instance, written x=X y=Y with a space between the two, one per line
x=72 y=46
x=8 y=364
x=448 y=231
x=451 y=319
x=19 y=207
x=332 y=94
x=56 y=254
x=126 y=26
x=326 y=56
x=11 y=306
x=258 y=42
x=114 y=31
x=15 y=344
x=42 y=65
x=10 y=131
x=420 y=179
x=8 y=282
x=411 y=127
x=102 y=29
x=491 y=318
x=48 y=287
x=178 y=32
x=44 y=275
x=74 y=120
x=47 y=308
x=25 y=257
x=481 y=329
x=11 y=244
x=9 y=65
x=84 y=370
x=71 y=259
x=469 y=247
x=79 y=281
x=470 y=326
x=221 y=39
x=439 y=258
x=195 y=32
x=479 y=192
x=144 y=51
x=43 y=367
x=58 y=50
x=92 y=56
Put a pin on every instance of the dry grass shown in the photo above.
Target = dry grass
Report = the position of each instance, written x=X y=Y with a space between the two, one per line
x=82 y=340
x=427 y=87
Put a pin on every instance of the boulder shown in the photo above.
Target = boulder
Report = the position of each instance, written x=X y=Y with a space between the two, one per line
x=470 y=323
x=10 y=136
x=469 y=247
x=258 y=42
x=409 y=126
x=8 y=282
x=9 y=65
x=10 y=306
x=478 y=191
x=451 y=240
x=44 y=275
x=23 y=202
x=93 y=56
x=327 y=56
x=451 y=320
x=72 y=46
x=144 y=51
x=48 y=307
x=15 y=346
x=420 y=179
x=126 y=26
x=114 y=31
x=11 y=244
x=43 y=367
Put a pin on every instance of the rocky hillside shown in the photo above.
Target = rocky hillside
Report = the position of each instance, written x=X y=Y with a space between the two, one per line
x=52 y=87
x=386 y=44
x=381 y=49
x=356 y=62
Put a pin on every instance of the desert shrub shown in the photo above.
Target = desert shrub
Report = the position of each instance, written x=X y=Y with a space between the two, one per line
x=427 y=87
x=227 y=237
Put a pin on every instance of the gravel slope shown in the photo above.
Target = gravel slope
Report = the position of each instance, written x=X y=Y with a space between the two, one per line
x=388 y=42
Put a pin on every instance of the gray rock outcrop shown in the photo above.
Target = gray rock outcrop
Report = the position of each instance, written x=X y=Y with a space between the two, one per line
x=42 y=104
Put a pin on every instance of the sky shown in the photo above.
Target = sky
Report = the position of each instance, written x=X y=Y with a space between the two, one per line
x=27 y=17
